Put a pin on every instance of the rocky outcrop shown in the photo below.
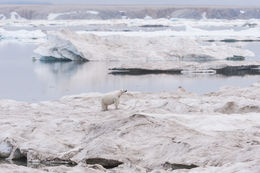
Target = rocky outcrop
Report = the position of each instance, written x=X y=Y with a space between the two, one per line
x=225 y=68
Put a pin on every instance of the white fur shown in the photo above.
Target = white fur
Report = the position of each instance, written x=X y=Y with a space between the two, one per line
x=111 y=98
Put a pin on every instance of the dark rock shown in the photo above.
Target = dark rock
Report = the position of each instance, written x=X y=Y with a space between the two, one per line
x=106 y=163
x=19 y=162
x=140 y=71
x=233 y=40
x=53 y=59
x=236 y=58
x=239 y=70
x=174 y=166
x=58 y=161
x=250 y=25
x=18 y=155
x=230 y=40
x=226 y=71
x=153 y=26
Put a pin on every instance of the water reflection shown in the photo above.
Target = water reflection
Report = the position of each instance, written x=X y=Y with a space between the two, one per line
x=72 y=78
x=58 y=69
x=23 y=79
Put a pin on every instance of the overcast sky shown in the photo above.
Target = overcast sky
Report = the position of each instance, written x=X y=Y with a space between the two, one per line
x=174 y=2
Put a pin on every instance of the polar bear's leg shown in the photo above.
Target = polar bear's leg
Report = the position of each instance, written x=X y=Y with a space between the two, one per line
x=104 y=106
x=116 y=102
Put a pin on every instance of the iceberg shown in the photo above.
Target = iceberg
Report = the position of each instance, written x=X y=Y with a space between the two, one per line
x=59 y=49
x=66 y=44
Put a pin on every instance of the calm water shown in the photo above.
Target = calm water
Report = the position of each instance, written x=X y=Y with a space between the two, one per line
x=26 y=80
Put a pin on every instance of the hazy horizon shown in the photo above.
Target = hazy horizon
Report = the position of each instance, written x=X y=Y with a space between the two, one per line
x=148 y=2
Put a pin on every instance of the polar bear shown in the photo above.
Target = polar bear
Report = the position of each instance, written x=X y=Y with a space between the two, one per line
x=111 y=98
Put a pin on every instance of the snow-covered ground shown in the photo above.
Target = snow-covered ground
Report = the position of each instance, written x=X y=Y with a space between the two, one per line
x=218 y=132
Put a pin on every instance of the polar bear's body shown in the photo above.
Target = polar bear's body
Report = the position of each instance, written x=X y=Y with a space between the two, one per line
x=111 y=98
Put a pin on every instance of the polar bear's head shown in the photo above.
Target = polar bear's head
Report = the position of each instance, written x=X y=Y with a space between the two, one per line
x=122 y=91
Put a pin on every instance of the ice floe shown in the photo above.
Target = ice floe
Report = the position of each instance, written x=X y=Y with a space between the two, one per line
x=218 y=131
x=174 y=22
x=207 y=29
x=118 y=47
x=58 y=48
x=24 y=36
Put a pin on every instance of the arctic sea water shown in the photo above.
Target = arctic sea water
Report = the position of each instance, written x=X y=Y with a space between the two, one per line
x=24 y=79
